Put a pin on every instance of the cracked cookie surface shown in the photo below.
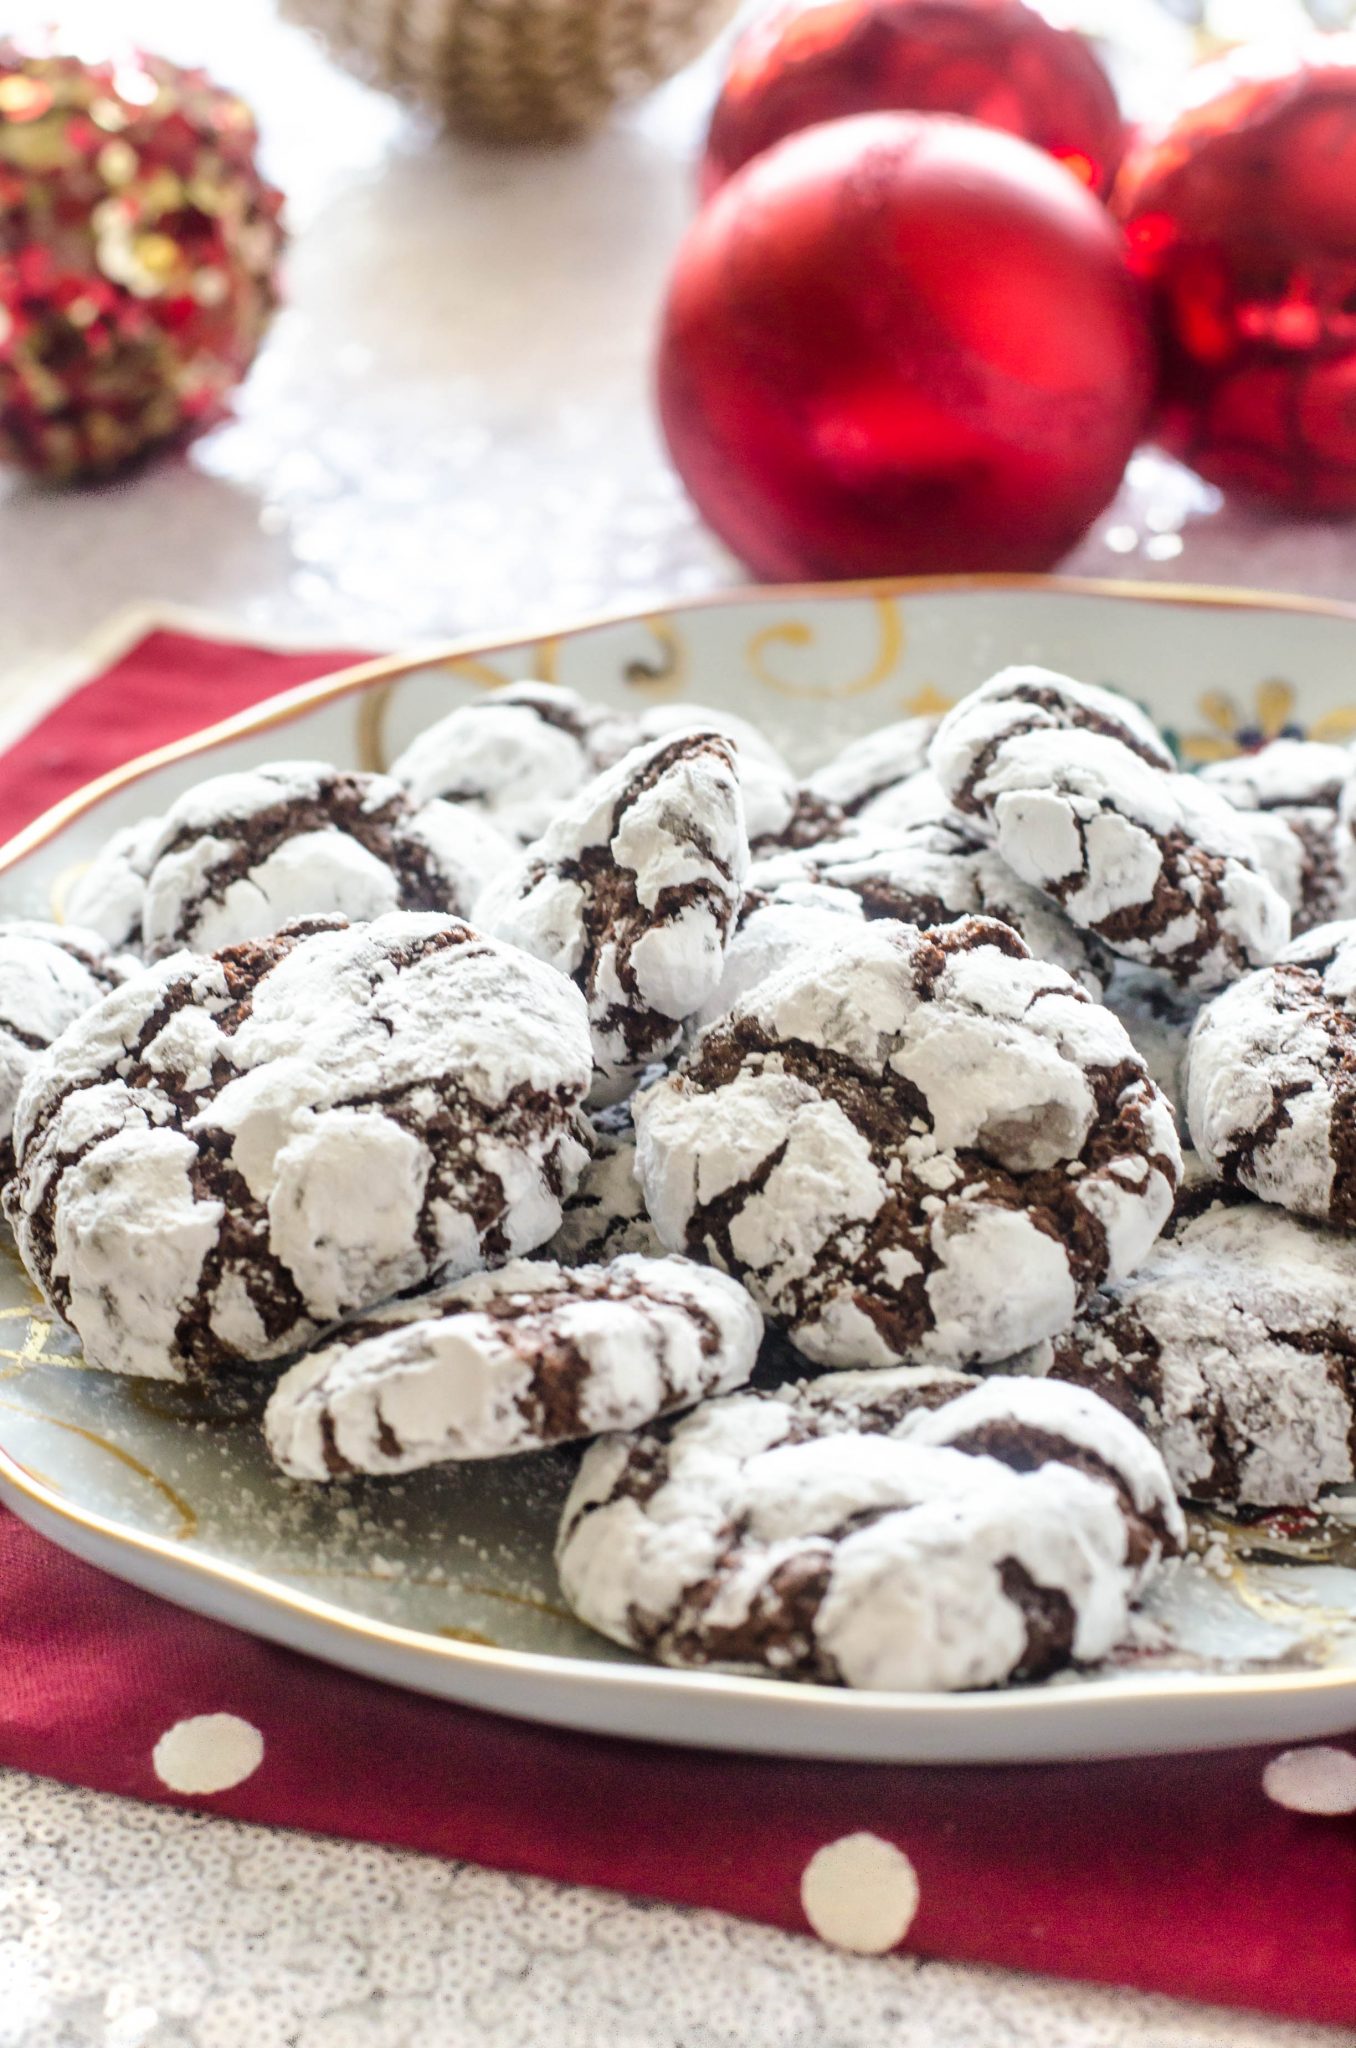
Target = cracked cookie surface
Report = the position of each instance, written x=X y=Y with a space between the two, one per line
x=1271 y=1079
x=779 y=809
x=530 y=1355
x=970 y=741
x=633 y=893
x=50 y=974
x=919 y=1143
x=1086 y=809
x=863 y=778
x=513 y=756
x=227 y=1153
x=905 y=1530
x=109 y=896
x=930 y=873
x=606 y=1216
x=240 y=855
x=1294 y=792
x=1234 y=1348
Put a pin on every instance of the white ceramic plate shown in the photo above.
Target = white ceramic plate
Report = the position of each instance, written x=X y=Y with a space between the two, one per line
x=444 y=1582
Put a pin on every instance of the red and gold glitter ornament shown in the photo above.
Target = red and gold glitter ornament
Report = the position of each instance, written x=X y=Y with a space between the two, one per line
x=902 y=343
x=995 y=61
x=1241 y=217
x=138 y=257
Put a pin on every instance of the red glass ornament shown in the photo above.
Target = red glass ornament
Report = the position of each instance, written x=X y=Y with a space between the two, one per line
x=1241 y=217
x=995 y=61
x=138 y=257
x=902 y=343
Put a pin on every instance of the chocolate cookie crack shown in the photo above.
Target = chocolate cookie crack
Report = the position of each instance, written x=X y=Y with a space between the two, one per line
x=813 y=819
x=887 y=1111
x=1024 y=1448
x=1172 y=899
x=1049 y=1617
x=339 y=805
x=1084 y=718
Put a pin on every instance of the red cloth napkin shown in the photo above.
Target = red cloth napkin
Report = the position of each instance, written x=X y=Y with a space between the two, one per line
x=1196 y=1875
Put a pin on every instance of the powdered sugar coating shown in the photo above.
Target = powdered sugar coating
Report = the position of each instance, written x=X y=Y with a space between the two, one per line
x=930 y=873
x=110 y=895
x=1284 y=773
x=919 y=800
x=804 y=923
x=628 y=729
x=918 y=1144
x=240 y=855
x=779 y=810
x=50 y=974
x=633 y=893
x=1019 y=702
x=228 y=1153
x=606 y=1216
x=1158 y=1017
x=1234 y=1347
x=1158 y=865
x=1271 y=1083
x=513 y=756
x=1291 y=790
x=1324 y=889
x=878 y=1530
x=530 y=1355
x=873 y=767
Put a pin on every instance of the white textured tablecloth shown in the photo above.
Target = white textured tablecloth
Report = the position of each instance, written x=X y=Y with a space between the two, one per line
x=449 y=431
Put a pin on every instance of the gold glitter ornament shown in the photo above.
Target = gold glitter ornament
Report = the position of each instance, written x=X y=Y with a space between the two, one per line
x=138 y=257
x=515 y=70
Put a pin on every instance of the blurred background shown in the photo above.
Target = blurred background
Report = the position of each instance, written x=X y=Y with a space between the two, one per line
x=450 y=425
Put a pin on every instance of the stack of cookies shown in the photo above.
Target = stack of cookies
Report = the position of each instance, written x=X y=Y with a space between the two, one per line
x=813 y=1147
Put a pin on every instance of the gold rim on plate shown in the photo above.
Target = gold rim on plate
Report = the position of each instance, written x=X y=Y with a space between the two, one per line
x=288 y=705
x=1108 y=1695
x=1097 y=1699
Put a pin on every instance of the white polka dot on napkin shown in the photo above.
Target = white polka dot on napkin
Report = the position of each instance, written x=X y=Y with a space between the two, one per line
x=208 y=1753
x=860 y=1893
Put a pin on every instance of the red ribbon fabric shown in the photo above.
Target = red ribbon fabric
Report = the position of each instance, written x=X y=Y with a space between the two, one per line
x=1182 y=1875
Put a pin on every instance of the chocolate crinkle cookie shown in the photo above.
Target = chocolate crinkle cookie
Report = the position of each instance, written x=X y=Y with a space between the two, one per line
x=1286 y=773
x=606 y=1216
x=775 y=932
x=1294 y=793
x=513 y=756
x=779 y=809
x=1083 y=803
x=50 y=974
x=241 y=855
x=905 y=1531
x=918 y=1144
x=1234 y=1347
x=862 y=779
x=227 y=1153
x=1158 y=1017
x=970 y=741
x=918 y=800
x=633 y=892
x=109 y=896
x=930 y=873
x=1271 y=1079
x=531 y=1355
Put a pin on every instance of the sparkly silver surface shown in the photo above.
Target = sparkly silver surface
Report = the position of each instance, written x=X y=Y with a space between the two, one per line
x=450 y=430
x=125 y=1926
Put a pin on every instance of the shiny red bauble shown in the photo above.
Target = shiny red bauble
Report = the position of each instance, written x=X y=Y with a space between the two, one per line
x=902 y=343
x=1242 y=219
x=995 y=61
